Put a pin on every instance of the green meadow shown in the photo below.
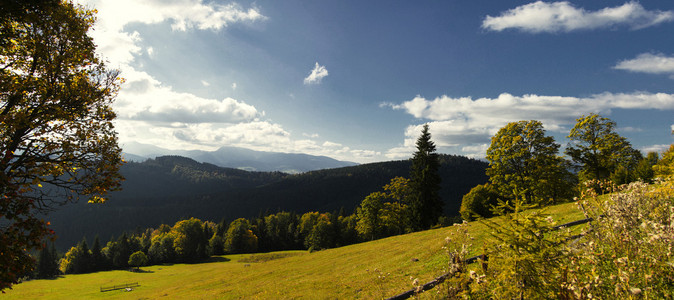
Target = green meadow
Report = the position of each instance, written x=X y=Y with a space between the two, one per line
x=375 y=269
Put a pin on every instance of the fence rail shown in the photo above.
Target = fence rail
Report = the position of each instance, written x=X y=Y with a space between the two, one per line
x=119 y=287
x=440 y=279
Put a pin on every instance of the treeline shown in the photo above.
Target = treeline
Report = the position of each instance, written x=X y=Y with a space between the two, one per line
x=525 y=165
x=193 y=240
x=168 y=189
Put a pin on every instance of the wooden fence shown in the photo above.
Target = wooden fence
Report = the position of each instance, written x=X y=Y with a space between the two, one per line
x=119 y=287
x=440 y=279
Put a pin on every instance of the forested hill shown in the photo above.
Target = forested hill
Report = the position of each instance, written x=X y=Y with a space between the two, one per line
x=170 y=188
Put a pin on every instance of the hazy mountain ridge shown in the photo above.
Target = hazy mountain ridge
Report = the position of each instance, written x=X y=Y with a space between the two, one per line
x=171 y=188
x=240 y=158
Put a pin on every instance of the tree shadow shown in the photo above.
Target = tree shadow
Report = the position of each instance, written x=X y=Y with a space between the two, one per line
x=140 y=271
x=213 y=259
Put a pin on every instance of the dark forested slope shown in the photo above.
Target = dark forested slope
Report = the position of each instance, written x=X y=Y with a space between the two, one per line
x=170 y=188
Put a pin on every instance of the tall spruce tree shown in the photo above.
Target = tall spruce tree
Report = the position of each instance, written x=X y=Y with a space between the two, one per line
x=426 y=204
x=47 y=267
x=97 y=258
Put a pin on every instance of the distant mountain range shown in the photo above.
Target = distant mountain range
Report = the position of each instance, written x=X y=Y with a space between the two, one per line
x=240 y=158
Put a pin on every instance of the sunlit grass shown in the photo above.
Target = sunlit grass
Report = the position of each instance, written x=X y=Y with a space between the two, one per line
x=347 y=272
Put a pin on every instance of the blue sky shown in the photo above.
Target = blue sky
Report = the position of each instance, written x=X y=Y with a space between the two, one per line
x=356 y=80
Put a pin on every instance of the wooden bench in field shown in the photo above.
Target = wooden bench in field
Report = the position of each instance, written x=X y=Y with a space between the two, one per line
x=119 y=287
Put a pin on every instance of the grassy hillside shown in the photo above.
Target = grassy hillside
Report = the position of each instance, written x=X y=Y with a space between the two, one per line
x=375 y=269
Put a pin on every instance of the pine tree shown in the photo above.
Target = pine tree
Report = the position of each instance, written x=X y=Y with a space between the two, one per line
x=43 y=264
x=426 y=203
x=83 y=261
x=97 y=258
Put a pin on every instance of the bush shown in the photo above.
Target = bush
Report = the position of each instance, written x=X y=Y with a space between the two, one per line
x=625 y=253
x=478 y=202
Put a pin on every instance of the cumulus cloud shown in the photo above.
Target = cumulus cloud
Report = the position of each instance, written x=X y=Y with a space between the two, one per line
x=120 y=46
x=466 y=124
x=562 y=16
x=316 y=75
x=144 y=98
x=655 y=148
x=648 y=63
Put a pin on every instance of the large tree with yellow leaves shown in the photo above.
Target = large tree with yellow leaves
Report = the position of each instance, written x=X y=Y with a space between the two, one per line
x=57 y=141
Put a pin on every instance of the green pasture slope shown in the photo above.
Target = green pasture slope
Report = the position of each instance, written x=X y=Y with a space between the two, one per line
x=368 y=270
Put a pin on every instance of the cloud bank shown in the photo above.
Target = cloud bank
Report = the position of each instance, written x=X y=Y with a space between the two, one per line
x=467 y=124
x=539 y=17
x=316 y=75
x=648 y=63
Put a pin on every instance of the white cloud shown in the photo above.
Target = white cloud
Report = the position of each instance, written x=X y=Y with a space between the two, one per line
x=142 y=97
x=465 y=125
x=311 y=135
x=399 y=153
x=205 y=83
x=316 y=75
x=475 y=151
x=233 y=86
x=630 y=129
x=509 y=107
x=119 y=46
x=648 y=63
x=329 y=144
x=655 y=148
x=562 y=16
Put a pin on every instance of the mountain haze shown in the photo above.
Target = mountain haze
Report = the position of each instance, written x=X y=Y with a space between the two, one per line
x=240 y=158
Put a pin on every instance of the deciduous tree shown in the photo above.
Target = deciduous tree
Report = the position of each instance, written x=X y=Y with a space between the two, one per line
x=190 y=244
x=523 y=164
x=665 y=167
x=369 y=216
x=598 y=150
x=478 y=202
x=57 y=141
x=137 y=259
x=239 y=238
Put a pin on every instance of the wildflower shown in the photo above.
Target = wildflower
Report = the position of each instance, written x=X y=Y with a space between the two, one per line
x=635 y=291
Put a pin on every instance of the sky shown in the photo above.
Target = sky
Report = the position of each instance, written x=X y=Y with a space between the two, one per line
x=357 y=80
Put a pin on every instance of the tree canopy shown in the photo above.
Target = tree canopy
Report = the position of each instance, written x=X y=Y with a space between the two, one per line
x=57 y=141
x=138 y=259
x=598 y=150
x=523 y=163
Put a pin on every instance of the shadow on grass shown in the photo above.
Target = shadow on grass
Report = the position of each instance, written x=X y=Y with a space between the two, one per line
x=213 y=259
x=140 y=271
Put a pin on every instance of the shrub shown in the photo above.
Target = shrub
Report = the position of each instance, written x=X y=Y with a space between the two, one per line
x=478 y=202
x=625 y=253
